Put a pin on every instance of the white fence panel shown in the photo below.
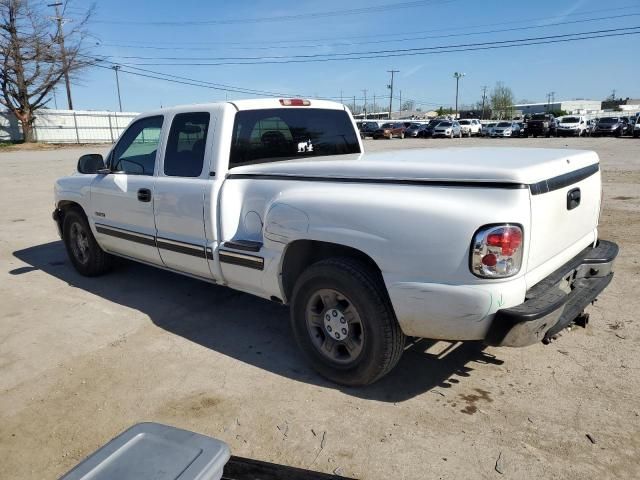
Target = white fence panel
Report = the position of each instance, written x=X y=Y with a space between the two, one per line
x=69 y=126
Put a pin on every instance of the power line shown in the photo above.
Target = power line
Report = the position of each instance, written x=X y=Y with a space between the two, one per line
x=452 y=28
x=550 y=39
x=281 y=18
x=199 y=83
x=339 y=44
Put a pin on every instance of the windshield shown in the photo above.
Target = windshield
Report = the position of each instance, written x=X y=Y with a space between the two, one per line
x=414 y=126
x=539 y=117
x=609 y=120
x=504 y=124
x=387 y=125
x=444 y=124
x=464 y=122
x=287 y=133
x=570 y=120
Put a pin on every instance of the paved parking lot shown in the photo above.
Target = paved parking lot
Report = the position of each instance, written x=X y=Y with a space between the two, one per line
x=82 y=359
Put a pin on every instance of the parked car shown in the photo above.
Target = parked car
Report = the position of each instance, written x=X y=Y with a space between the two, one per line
x=506 y=129
x=470 y=126
x=276 y=198
x=447 y=129
x=428 y=130
x=414 y=129
x=572 y=126
x=368 y=128
x=487 y=129
x=542 y=124
x=610 y=126
x=390 y=130
x=636 y=127
x=591 y=125
x=628 y=125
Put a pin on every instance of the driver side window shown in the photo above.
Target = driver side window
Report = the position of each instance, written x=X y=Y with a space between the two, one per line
x=135 y=153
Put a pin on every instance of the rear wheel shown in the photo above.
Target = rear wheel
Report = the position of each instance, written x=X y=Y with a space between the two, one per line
x=84 y=252
x=343 y=321
x=402 y=135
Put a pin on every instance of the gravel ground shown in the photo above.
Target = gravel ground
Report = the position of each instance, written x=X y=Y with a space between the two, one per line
x=83 y=359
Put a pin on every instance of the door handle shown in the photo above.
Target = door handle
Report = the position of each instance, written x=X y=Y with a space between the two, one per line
x=144 y=195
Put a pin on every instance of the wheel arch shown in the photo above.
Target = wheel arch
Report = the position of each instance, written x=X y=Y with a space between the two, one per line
x=64 y=206
x=300 y=254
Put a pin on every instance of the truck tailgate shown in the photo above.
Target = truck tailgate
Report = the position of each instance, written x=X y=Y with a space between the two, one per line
x=564 y=219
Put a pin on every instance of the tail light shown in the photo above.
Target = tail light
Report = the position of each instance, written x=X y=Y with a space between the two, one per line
x=496 y=251
x=294 y=102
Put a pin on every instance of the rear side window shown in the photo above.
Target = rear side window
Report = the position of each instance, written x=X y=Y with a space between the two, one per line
x=184 y=155
x=286 y=133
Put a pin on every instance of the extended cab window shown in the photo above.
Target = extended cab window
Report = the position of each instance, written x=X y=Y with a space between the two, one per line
x=184 y=155
x=135 y=153
x=285 y=133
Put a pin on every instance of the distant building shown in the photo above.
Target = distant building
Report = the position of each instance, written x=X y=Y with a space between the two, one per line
x=626 y=104
x=569 y=106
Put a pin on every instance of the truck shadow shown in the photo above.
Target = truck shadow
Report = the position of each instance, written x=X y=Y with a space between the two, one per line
x=247 y=328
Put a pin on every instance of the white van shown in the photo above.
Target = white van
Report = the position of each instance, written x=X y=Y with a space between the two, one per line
x=572 y=125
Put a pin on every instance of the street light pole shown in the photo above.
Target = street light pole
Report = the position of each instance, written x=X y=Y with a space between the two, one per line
x=390 y=86
x=365 y=103
x=116 y=68
x=457 y=76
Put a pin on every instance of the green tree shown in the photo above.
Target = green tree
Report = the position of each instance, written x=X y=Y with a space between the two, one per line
x=502 y=100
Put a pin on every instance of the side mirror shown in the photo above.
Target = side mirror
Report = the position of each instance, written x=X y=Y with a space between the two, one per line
x=91 y=163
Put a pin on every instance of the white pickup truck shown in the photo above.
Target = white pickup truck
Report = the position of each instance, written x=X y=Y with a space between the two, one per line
x=278 y=199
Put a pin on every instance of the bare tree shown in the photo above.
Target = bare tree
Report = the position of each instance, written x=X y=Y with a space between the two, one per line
x=408 y=105
x=34 y=58
x=502 y=100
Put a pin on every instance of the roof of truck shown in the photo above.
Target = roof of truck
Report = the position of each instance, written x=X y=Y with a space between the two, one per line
x=250 y=104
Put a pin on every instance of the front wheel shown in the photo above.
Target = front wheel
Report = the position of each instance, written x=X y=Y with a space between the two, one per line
x=84 y=252
x=343 y=321
x=402 y=135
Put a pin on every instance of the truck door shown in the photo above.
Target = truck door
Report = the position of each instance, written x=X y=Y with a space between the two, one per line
x=122 y=201
x=181 y=186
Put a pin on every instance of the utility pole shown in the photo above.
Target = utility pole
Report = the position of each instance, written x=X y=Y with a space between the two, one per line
x=365 y=103
x=484 y=97
x=354 y=105
x=390 y=86
x=374 y=102
x=457 y=76
x=59 y=39
x=400 y=109
x=548 y=102
x=116 y=68
x=553 y=97
x=341 y=97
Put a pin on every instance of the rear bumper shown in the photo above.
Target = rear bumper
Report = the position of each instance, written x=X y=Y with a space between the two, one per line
x=555 y=302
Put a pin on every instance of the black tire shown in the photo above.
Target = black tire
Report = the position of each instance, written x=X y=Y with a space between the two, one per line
x=381 y=342
x=89 y=260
